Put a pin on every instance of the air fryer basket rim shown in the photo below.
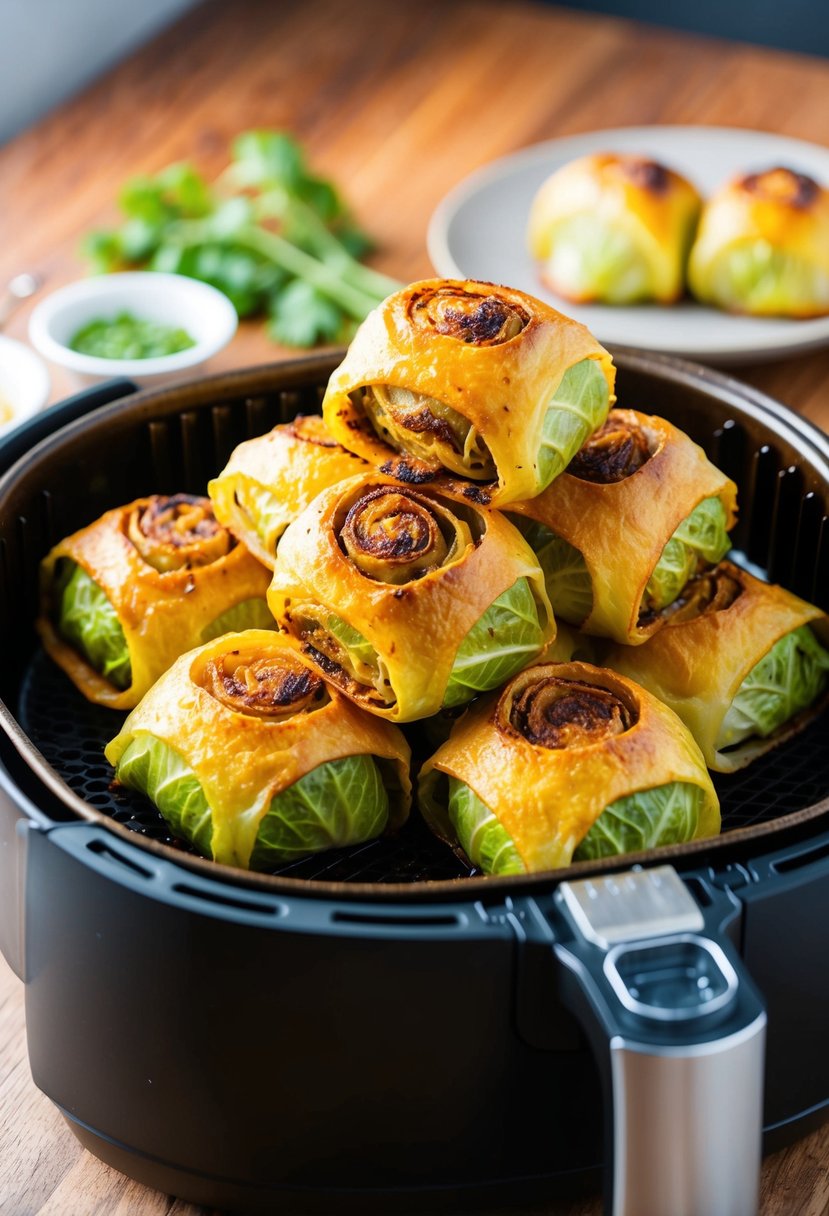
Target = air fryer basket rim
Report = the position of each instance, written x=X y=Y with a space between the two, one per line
x=297 y=373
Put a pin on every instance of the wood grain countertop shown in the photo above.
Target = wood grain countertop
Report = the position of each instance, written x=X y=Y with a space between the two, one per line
x=397 y=103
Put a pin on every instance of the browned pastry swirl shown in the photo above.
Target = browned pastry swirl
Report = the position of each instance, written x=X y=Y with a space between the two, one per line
x=396 y=535
x=713 y=591
x=617 y=449
x=467 y=316
x=557 y=713
x=273 y=686
x=178 y=532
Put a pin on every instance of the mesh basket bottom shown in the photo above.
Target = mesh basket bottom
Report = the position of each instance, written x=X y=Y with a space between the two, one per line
x=71 y=733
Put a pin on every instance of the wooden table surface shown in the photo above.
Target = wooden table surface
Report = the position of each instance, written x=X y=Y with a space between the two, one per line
x=397 y=103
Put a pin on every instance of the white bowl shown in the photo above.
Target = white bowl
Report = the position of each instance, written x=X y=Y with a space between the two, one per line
x=24 y=383
x=171 y=299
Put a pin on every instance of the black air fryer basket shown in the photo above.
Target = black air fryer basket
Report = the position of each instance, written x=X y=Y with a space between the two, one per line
x=379 y=1028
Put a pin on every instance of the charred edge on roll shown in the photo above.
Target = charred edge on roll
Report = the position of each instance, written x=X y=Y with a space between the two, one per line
x=803 y=192
x=408 y=472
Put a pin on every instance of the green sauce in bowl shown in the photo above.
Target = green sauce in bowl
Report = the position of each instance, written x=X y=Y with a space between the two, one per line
x=129 y=337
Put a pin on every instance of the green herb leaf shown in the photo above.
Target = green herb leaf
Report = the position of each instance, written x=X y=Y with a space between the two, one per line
x=282 y=243
x=302 y=316
x=262 y=157
x=103 y=250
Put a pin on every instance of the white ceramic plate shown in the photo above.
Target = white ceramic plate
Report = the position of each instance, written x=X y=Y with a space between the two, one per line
x=478 y=232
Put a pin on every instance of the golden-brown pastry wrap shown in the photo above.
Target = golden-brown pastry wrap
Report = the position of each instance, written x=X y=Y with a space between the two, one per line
x=741 y=661
x=250 y=756
x=479 y=382
x=571 y=761
x=614 y=228
x=268 y=481
x=639 y=510
x=407 y=600
x=125 y=596
x=763 y=246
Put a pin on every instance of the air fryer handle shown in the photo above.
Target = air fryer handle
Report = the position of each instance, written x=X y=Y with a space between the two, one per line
x=25 y=436
x=678 y=1031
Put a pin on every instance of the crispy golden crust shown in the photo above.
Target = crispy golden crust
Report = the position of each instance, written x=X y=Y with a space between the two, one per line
x=493 y=354
x=697 y=665
x=621 y=527
x=779 y=208
x=162 y=613
x=415 y=627
x=656 y=206
x=548 y=794
x=294 y=461
x=243 y=758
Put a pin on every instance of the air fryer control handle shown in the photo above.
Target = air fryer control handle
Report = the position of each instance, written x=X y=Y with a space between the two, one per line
x=678 y=1030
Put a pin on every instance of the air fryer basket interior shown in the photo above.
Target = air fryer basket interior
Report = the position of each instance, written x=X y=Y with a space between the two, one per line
x=175 y=439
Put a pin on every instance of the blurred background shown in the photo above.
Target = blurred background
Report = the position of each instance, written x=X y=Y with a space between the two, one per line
x=50 y=49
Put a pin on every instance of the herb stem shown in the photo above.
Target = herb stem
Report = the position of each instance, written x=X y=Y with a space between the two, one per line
x=353 y=300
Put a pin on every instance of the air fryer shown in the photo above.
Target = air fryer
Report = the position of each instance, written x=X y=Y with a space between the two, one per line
x=381 y=1028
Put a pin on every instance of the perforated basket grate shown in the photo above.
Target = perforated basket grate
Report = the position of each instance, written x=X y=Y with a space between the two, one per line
x=71 y=735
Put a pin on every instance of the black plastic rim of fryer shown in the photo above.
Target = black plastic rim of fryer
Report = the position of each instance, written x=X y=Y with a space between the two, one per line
x=790 y=497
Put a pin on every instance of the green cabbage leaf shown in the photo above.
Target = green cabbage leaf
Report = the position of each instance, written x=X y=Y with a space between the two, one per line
x=265 y=512
x=700 y=538
x=157 y=770
x=248 y=614
x=565 y=571
x=787 y=680
x=500 y=643
x=342 y=802
x=666 y=814
x=755 y=277
x=88 y=621
x=360 y=649
x=482 y=837
x=594 y=260
x=580 y=406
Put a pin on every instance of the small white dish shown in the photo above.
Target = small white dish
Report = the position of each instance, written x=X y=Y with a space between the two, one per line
x=24 y=383
x=170 y=299
x=479 y=231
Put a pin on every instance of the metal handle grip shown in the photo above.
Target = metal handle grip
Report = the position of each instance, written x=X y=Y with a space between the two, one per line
x=678 y=1031
x=687 y=1126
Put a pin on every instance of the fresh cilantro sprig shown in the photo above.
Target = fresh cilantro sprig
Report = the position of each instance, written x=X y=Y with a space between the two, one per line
x=276 y=239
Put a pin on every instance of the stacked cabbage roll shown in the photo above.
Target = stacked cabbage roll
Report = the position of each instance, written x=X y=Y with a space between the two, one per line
x=472 y=554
